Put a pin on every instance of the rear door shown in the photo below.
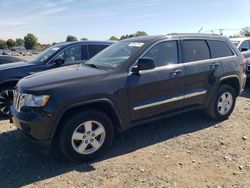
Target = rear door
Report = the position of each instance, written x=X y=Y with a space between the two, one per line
x=161 y=89
x=200 y=71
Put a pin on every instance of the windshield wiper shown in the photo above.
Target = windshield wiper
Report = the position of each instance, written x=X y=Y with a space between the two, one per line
x=92 y=65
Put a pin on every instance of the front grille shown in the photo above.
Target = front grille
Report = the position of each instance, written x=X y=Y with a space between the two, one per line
x=18 y=100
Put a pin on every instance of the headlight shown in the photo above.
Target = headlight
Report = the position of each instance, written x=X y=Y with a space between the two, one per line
x=36 y=100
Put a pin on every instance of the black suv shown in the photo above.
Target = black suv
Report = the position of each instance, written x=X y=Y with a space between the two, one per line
x=56 y=56
x=129 y=83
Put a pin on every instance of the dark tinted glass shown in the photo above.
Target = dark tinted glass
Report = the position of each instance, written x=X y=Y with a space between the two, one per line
x=244 y=45
x=195 y=50
x=219 y=49
x=163 y=53
x=95 y=49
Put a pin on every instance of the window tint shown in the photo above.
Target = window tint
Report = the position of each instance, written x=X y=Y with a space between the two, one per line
x=71 y=55
x=3 y=61
x=164 y=53
x=219 y=49
x=195 y=50
x=95 y=49
x=244 y=45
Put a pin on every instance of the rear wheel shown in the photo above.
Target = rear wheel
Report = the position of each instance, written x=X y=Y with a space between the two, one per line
x=223 y=103
x=86 y=136
x=6 y=100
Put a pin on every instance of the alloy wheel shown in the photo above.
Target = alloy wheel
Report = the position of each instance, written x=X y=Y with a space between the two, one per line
x=6 y=100
x=88 y=137
x=225 y=103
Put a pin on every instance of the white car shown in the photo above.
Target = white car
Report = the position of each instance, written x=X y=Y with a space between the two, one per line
x=243 y=44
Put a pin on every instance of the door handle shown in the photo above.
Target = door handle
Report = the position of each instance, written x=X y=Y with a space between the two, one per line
x=175 y=72
x=214 y=66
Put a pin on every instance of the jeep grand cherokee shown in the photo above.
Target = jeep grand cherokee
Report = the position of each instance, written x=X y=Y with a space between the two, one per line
x=129 y=83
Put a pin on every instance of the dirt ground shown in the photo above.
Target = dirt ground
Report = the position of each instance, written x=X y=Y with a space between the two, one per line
x=188 y=150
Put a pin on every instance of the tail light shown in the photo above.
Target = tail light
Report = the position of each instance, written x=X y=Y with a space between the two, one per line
x=244 y=63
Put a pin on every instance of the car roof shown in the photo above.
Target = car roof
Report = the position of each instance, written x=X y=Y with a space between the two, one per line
x=240 y=39
x=87 y=42
x=175 y=36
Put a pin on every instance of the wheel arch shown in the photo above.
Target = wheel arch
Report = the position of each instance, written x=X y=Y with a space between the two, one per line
x=102 y=105
x=7 y=83
x=233 y=81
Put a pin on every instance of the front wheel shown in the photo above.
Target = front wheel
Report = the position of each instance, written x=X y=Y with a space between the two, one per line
x=86 y=136
x=223 y=104
x=6 y=100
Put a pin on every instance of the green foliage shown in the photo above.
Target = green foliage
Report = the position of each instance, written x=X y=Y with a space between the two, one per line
x=113 y=38
x=19 y=42
x=30 y=41
x=10 y=43
x=3 y=44
x=137 y=34
x=245 y=31
x=84 y=38
x=71 y=38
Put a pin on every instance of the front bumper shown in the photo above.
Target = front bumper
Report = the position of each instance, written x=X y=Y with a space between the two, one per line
x=35 y=126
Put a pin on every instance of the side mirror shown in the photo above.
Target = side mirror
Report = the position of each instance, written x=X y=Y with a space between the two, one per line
x=243 y=49
x=143 y=64
x=58 y=62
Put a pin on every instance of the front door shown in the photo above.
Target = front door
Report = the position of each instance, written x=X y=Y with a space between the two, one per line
x=161 y=89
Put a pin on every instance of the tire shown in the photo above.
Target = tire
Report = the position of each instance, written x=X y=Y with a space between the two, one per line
x=77 y=145
x=215 y=109
x=6 y=100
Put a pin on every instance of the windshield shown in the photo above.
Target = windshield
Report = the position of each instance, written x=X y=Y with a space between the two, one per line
x=115 y=55
x=46 y=54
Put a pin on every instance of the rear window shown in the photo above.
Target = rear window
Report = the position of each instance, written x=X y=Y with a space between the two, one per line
x=195 y=50
x=95 y=49
x=219 y=49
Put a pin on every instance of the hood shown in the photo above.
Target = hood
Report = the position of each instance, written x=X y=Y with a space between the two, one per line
x=60 y=77
x=16 y=65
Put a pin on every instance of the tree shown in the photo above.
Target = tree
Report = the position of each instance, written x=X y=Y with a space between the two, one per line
x=30 y=41
x=84 y=38
x=3 y=44
x=245 y=31
x=141 y=33
x=71 y=38
x=113 y=38
x=10 y=43
x=19 y=42
x=137 y=34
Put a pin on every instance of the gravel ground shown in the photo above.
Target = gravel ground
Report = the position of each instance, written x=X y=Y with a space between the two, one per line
x=188 y=150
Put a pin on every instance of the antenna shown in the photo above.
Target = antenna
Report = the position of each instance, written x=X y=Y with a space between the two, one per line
x=200 y=30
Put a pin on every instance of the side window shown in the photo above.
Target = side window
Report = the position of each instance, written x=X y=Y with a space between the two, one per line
x=95 y=49
x=195 y=50
x=244 y=45
x=71 y=55
x=164 y=53
x=219 y=49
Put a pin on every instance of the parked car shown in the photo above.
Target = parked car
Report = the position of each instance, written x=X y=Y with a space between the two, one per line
x=6 y=52
x=4 y=59
x=246 y=54
x=56 y=56
x=243 y=44
x=134 y=81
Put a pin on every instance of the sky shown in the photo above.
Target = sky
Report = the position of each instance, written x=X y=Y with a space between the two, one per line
x=52 y=20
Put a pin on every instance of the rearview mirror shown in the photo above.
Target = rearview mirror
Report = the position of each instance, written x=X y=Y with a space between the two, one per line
x=144 y=64
x=243 y=49
x=58 y=62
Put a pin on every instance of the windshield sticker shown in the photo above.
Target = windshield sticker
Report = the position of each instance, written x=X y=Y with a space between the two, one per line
x=136 y=44
x=55 y=49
